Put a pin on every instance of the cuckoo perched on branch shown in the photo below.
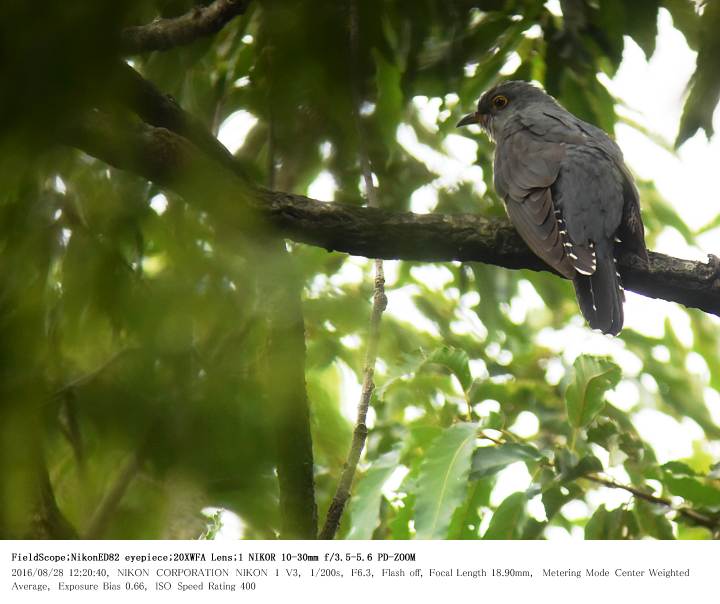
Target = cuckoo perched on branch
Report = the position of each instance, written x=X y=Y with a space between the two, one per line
x=567 y=192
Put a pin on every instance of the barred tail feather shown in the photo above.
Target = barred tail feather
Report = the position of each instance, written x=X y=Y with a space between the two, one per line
x=600 y=295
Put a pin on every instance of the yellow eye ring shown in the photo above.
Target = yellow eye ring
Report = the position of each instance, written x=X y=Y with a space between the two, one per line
x=500 y=101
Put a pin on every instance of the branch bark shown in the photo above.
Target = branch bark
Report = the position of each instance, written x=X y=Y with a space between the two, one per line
x=688 y=513
x=164 y=34
x=342 y=493
x=470 y=237
x=170 y=160
x=432 y=238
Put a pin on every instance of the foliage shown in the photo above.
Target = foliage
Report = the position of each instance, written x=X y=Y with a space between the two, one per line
x=139 y=342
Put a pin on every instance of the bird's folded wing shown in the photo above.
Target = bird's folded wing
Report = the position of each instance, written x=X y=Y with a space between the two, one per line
x=535 y=220
x=525 y=169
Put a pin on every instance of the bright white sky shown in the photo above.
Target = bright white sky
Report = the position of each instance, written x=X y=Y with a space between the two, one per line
x=653 y=93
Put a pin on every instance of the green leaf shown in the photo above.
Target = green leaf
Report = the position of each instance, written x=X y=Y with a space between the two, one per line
x=642 y=23
x=490 y=460
x=389 y=96
x=713 y=224
x=692 y=490
x=365 y=505
x=685 y=18
x=605 y=524
x=587 y=465
x=454 y=359
x=533 y=529
x=508 y=521
x=666 y=214
x=584 y=397
x=652 y=521
x=678 y=467
x=553 y=498
x=715 y=471
x=705 y=82
x=442 y=479
x=400 y=525
x=466 y=520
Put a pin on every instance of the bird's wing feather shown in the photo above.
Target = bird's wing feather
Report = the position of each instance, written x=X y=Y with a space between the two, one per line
x=525 y=168
x=554 y=124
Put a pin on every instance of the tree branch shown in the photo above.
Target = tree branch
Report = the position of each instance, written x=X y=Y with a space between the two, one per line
x=696 y=517
x=158 y=109
x=342 y=493
x=471 y=237
x=433 y=238
x=171 y=161
x=163 y=34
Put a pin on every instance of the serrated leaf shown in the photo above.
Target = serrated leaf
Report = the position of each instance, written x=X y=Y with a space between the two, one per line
x=508 y=521
x=456 y=361
x=442 y=479
x=584 y=397
x=365 y=504
x=490 y=460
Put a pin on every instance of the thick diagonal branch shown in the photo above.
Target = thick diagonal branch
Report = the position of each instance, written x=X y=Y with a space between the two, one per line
x=168 y=159
x=471 y=237
x=164 y=34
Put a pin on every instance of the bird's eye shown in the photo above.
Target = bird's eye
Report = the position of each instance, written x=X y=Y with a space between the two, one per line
x=500 y=101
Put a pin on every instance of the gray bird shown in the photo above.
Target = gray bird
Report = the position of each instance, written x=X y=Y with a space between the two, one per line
x=567 y=192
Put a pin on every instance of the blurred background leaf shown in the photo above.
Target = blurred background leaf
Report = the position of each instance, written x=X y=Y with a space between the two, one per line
x=134 y=334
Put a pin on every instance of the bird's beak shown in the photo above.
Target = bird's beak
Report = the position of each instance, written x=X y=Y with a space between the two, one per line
x=470 y=118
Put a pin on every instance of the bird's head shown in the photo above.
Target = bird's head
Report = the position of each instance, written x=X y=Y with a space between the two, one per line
x=498 y=104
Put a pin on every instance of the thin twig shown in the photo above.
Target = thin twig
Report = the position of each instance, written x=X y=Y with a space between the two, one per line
x=711 y=523
x=164 y=34
x=486 y=436
x=342 y=494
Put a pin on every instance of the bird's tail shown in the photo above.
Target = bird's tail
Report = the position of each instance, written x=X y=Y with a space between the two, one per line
x=600 y=295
